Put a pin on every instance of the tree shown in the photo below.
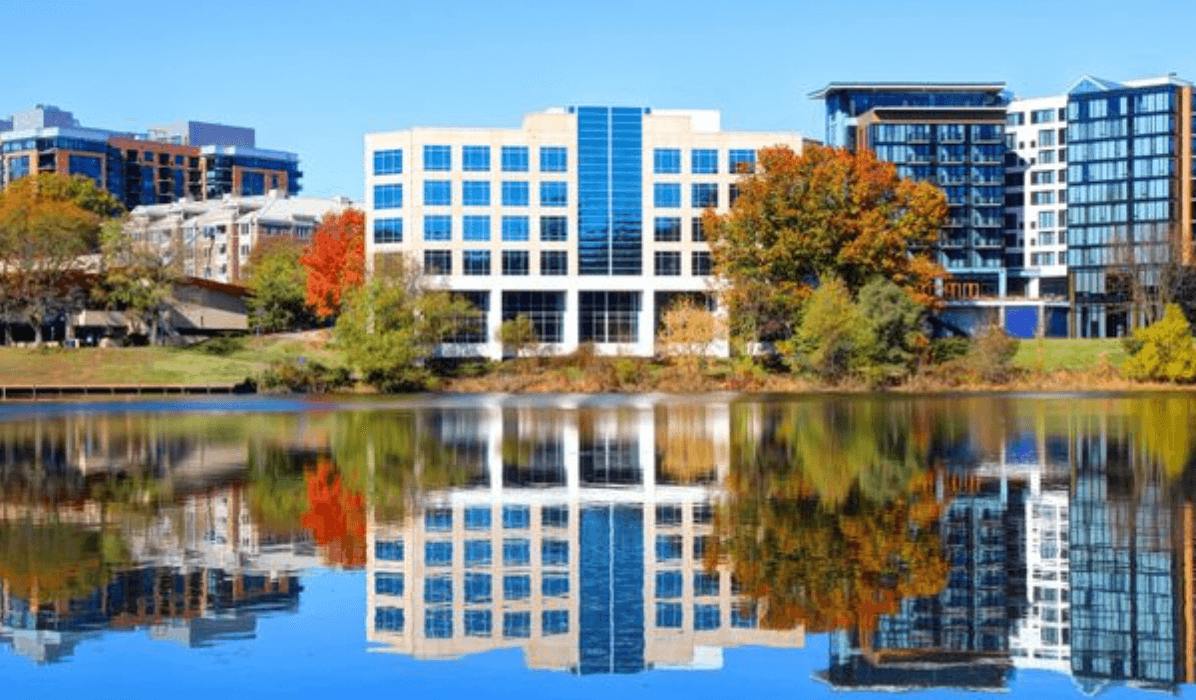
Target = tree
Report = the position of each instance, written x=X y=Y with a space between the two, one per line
x=80 y=190
x=517 y=335
x=42 y=236
x=832 y=340
x=1164 y=351
x=688 y=329
x=895 y=322
x=335 y=261
x=136 y=279
x=825 y=213
x=278 y=281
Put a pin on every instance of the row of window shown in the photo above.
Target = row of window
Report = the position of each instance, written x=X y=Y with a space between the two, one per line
x=515 y=552
x=476 y=587
x=513 y=159
x=552 y=262
x=703 y=161
x=703 y=195
x=474 y=193
x=478 y=518
x=438 y=622
x=438 y=227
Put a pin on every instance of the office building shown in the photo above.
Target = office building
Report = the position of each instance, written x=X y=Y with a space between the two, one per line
x=587 y=220
x=187 y=160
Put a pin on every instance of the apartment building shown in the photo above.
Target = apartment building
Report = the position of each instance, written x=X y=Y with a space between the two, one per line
x=185 y=160
x=585 y=219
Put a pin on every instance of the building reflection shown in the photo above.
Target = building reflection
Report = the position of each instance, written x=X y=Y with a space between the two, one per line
x=580 y=539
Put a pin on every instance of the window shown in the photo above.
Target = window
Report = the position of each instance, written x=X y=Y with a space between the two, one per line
x=476 y=228
x=732 y=194
x=554 y=262
x=477 y=518
x=514 y=159
x=668 y=229
x=668 y=263
x=388 y=550
x=477 y=553
x=554 y=586
x=477 y=588
x=517 y=625
x=705 y=194
x=743 y=616
x=697 y=230
x=545 y=310
x=516 y=587
x=438 y=589
x=705 y=583
x=668 y=615
x=388 y=196
x=515 y=194
x=554 y=194
x=438 y=262
x=516 y=517
x=608 y=317
x=388 y=162
x=700 y=544
x=1046 y=137
x=388 y=619
x=666 y=161
x=438 y=623
x=553 y=159
x=475 y=159
x=703 y=514
x=438 y=520
x=476 y=262
x=516 y=552
x=666 y=195
x=554 y=552
x=554 y=228
x=701 y=264
x=475 y=193
x=438 y=158
x=438 y=193
x=668 y=547
x=388 y=231
x=554 y=516
x=1042 y=198
x=704 y=161
x=741 y=160
x=706 y=617
x=515 y=262
x=477 y=623
x=555 y=622
x=438 y=553
x=438 y=228
x=1046 y=219
x=668 y=584
x=515 y=228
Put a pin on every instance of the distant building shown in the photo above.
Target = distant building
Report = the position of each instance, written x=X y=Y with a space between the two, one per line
x=185 y=160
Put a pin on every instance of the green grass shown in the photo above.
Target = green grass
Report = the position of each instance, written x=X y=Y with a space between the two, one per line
x=1069 y=353
x=154 y=365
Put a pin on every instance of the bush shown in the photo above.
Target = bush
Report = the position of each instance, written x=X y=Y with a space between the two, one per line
x=832 y=340
x=222 y=345
x=1164 y=350
x=991 y=355
x=306 y=378
x=944 y=350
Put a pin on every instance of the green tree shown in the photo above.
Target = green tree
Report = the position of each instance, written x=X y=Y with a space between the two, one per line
x=895 y=322
x=517 y=335
x=1164 y=350
x=136 y=279
x=82 y=191
x=833 y=339
x=825 y=213
x=278 y=281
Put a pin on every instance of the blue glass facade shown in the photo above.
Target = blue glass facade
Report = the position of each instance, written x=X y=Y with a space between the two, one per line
x=610 y=197
x=611 y=624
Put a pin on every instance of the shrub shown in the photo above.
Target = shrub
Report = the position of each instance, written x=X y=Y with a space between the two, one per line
x=517 y=335
x=895 y=323
x=991 y=355
x=833 y=338
x=944 y=350
x=1164 y=350
x=305 y=378
x=222 y=345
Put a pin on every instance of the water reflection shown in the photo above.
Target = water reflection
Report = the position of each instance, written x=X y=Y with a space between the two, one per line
x=936 y=542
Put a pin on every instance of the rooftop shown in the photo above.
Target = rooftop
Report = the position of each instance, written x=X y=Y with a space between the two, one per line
x=905 y=87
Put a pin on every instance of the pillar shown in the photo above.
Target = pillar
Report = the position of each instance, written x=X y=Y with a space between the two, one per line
x=493 y=322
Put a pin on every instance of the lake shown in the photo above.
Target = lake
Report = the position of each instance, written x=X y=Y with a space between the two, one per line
x=582 y=546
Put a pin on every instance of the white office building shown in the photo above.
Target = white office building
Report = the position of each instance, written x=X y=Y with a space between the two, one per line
x=587 y=220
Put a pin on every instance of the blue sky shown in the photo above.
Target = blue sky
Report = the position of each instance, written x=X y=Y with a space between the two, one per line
x=313 y=77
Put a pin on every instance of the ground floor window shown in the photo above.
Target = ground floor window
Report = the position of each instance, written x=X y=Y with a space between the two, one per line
x=608 y=317
x=471 y=328
x=546 y=311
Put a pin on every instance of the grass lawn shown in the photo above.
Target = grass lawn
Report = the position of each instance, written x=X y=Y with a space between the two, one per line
x=1069 y=353
x=156 y=365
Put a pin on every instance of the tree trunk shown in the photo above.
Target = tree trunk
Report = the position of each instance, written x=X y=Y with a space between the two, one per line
x=153 y=327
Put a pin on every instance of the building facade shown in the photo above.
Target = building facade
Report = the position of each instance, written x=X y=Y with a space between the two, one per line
x=186 y=160
x=587 y=220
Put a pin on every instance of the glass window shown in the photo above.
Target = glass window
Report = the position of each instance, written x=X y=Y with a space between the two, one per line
x=554 y=516
x=515 y=228
x=476 y=262
x=516 y=552
x=477 y=518
x=554 y=194
x=388 y=619
x=554 y=228
x=666 y=195
x=388 y=230
x=388 y=583
x=388 y=196
x=438 y=519
x=554 y=552
x=517 y=625
x=553 y=159
x=516 y=587
x=388 y=162
x=668 y=263
x=668 y=615
x=668 y=584
x=668 y=229
x=554 y=585
x=475 y=159
x=554 y=262
x=388 y=550
x=666 y=161
x=516 y=517
x=668 y=547
x=438 y=158
x=438 y=262
x=705 y=583
x=438 y=228
x=741 y=160
x=475 y=193
x=514 y=159
x=555 y=622
x=743 y=616
x=515 y=262
x=700 y=544
x=477 y=588
x=476 y=228
x=703 y=514
x=705 y=194
x=477 y=553
x=438 y=623
x=438 y=553
x=706 y=617
x=438 y=193
x=704 y=161
x=732 y=194
x=438 y=589
x=477 y=623
x=515 y=194
x=701 y=263
x=697 y=230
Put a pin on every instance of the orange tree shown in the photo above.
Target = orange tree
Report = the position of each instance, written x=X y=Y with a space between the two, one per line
x=336 y=516
x=335 y=260
x=826 y=213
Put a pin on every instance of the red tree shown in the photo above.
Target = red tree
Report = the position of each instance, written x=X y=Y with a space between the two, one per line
x=335 y=516
x=335 y=260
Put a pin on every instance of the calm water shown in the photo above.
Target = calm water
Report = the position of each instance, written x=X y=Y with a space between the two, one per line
x=644 y=546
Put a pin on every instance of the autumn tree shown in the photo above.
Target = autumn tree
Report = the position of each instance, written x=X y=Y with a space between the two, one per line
x=824 y=213
x=689 y=330
x=80 y=190
x=278 y=281
x=336 y=516
x=335 y=261
x=136 y=279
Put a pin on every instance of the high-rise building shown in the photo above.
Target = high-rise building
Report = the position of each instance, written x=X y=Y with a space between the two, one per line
x=185 y=160
x=587 y=220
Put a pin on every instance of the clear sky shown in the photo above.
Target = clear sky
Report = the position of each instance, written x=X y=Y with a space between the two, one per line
x=313 y=77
